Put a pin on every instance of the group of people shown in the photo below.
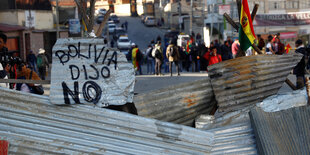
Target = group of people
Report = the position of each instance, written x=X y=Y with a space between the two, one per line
x=198 y=57
x=12 y=67
x=154 y=57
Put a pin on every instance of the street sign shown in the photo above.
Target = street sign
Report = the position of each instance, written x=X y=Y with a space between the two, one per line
x=224 y=9
x=30 y=17
x=74 y=26
x=86 y=71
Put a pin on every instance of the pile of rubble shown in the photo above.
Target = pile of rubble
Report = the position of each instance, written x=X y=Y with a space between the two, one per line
x=249 y=118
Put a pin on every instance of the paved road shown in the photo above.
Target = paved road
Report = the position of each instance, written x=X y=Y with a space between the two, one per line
x=140 y=34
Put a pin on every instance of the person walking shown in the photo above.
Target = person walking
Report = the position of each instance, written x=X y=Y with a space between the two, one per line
x=137 y=57
x=4 y=54
x=42 y=63
x=269 y=47
x=126 y=25
x=234 y=48
x=225 y=51
x=261 y=43
x=32 y=60
x=173 y=57
x=299 y=69
x=150 y=61
x=159 y=57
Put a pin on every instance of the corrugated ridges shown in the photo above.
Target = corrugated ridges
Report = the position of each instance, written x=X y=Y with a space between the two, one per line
x=234 y=139
x=33 y=125
x=282 y=132
x=243 y=81
x=179 y=104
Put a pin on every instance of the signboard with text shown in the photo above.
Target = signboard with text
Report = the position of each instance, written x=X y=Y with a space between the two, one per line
x=290 y=19
x=84 y=70
x=224 y=9
x=74 y=26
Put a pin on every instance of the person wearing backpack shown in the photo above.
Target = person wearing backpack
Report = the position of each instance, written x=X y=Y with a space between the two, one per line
x=150 y=61
x=173 y=55
x=157 y=53
x=42 y=63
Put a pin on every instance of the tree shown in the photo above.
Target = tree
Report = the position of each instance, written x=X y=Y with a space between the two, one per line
x=87 y=15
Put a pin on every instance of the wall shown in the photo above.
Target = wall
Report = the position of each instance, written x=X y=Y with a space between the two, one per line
x=63 y=34
x=122 y=10
x=44 y=20
x=37 y=41
x=9 y=17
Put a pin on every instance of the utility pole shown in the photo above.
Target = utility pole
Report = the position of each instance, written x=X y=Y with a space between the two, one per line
x=57 y=20
x=180 y=14
x=191 y=19
x=212 y=22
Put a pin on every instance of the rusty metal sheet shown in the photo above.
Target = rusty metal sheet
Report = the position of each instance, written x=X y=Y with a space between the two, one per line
x=247 y=80
x=282 y=132
x=179 y=104
x=84 y=70
x=32 y=125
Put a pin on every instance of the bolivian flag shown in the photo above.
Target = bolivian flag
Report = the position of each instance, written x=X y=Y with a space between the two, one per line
x=287 y=48
x=188 y=47
x=246 y=31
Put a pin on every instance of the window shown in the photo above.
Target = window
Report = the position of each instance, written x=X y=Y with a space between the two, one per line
x=292 y=5
x=278 y=5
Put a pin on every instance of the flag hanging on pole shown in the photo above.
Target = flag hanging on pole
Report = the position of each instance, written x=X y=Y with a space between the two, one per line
x=246 y=31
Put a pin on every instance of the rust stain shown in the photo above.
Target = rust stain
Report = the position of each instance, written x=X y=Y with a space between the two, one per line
x=190 y=101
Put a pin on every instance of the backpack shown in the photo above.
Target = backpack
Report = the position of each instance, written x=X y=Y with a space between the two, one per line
x=139 y=56
x=39 y=61
x=157 y=54
x=150 y=53
x=172 y=52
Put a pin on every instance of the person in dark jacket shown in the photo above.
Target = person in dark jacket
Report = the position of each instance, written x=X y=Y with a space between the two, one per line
x=225 y=51
x=299 y=69
x=4 y=55
x=32 y=60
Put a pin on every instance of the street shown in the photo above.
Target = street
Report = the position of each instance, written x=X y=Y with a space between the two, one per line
x=140 y=34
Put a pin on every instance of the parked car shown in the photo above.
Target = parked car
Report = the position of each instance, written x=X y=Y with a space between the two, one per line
x=149 y=21
x=119 y=31
x=99 y=19
x=102 y=11
x=114 y=18
x=111 y=28
x=123 y=43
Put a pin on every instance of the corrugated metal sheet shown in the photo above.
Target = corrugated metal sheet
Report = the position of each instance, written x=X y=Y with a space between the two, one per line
x=244 y=81
x=179 y=104
x=33 y=125
x=103 y=74
x=284 y=101
x=234 y=139
x=283 y=132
